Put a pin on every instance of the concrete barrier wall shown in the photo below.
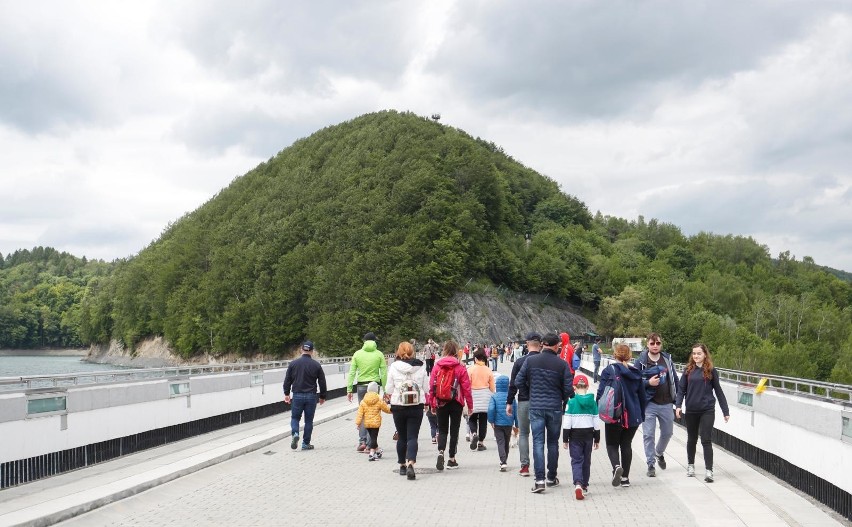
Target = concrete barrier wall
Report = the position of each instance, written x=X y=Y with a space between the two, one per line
x=805 y=431
x=101 y=412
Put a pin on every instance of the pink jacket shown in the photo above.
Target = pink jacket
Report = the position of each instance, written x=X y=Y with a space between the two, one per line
x=464 y=396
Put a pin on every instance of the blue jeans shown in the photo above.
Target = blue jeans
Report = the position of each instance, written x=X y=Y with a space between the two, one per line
x=407 y=420
x=361 y=390
x=545 y=424
x=303 y=402
x=665 y=414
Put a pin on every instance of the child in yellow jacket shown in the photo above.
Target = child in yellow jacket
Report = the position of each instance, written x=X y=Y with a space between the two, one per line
x=370 y=412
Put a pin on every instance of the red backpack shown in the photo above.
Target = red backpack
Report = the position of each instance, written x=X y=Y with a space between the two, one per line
x=446 y=387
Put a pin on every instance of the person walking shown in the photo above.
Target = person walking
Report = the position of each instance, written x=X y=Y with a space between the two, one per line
x=404 y=389
x=533 y=344
x=581 y=432
x=549 y=382
x=449 y=391
x=431 y=351
x=501 y=422
x=596 y=357
x=368 y=365
x=660 y=382
x=306 y=378
x=482 y=386
x=699 y=382
x=623 y=376
x=370 y=414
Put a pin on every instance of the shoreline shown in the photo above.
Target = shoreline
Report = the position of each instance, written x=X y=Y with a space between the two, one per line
x=44 y=353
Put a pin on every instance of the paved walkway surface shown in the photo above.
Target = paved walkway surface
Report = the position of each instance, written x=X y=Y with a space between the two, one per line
x=248 y=475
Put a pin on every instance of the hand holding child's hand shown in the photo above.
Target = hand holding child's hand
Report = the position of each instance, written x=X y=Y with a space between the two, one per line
x=565 y=446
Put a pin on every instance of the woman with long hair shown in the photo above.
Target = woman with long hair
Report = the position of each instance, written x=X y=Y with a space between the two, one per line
x=623 y=375
x=482 y=386
x=699 y=382
x=404 y=389
x=449 y=411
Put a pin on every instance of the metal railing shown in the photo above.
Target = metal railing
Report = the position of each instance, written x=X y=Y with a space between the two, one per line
x=831 y=392
x=16 y=384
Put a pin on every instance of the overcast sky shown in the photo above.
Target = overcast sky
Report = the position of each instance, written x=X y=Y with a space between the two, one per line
x=730 y=117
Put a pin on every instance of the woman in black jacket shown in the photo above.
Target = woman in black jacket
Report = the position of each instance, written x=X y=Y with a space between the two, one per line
x=699 y=382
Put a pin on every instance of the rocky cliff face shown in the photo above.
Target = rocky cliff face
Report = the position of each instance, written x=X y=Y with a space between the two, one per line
x=474 y=317
x=490 y=318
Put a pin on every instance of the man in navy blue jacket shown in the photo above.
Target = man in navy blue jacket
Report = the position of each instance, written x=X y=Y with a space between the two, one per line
x=549 y=382
x=304 y=375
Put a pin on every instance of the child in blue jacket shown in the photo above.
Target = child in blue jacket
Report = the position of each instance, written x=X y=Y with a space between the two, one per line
x=500 y=422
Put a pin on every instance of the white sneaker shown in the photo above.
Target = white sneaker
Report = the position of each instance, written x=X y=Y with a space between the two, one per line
x=690 y=471
x=502 y=467
x=708 y=476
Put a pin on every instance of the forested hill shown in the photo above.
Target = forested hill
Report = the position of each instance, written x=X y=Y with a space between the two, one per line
x=376 y=222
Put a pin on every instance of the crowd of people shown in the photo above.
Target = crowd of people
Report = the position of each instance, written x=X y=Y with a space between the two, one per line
x=545 y=398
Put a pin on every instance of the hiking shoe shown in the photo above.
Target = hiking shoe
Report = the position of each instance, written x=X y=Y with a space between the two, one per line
x=307 y=446
x=362 y=447
x=473 y=441
x=578 y=492
x=409 y=472
x=661 y=460
x=502 y=467
x=402 y=470
x=690 y=471
x=480 y=447
x=525 y=471
x=294 y=442
x=452 y=464
x=616 y=475
x=708 y=476
x=379 y=453
x=652 y=472
x=371 y=457
x=625 y=482
x=552 y=482
x=440 y=464
x=538 y=487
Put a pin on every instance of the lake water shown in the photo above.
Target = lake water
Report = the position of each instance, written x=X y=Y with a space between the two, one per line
x=20 y=365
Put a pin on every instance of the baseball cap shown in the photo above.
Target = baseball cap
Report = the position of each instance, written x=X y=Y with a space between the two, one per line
x=579 y=377
x=532 y=335
x=308 y=345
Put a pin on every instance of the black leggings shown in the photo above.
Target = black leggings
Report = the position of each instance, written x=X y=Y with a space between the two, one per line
x=700 y=424
x=374 y=437
x=618 y=439
x=449 y=421
x=478 y=423
x=407 y=420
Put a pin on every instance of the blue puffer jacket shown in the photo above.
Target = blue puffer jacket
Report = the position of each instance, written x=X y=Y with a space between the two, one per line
x=497 y=405
x=548 y=379
x=634 y=391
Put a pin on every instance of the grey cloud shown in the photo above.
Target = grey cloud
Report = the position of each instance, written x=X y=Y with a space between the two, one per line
x=297 y=48
x=591 y=60
x=96 y=239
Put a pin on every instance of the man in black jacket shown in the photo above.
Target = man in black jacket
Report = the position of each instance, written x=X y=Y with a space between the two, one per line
x=549 y=382
x=304 y=375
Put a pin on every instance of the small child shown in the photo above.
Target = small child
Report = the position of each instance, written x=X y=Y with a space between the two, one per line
x=501 y=422
x=581 y=427
x=370 y=412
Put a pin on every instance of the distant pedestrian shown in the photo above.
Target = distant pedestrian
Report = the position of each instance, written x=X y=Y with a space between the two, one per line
x=596 y=357
x=431 y=352
x=699 y=382
x=501 y=422
x=406 y=381
x=581 y=431
x=306 y=378
x=549 y=381
x=624 y=376
x=482 y=386
x=370 y=414
x=450 y=376
x=660 y=382
x=533 y=344
x=368 y=365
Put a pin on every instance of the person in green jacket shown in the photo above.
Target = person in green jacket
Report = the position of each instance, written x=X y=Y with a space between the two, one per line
x=368 y=365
